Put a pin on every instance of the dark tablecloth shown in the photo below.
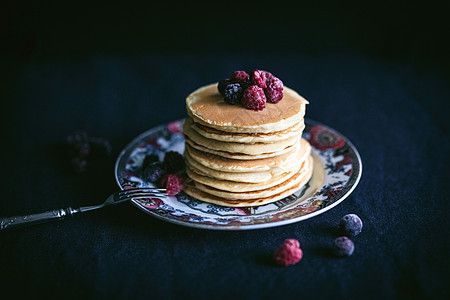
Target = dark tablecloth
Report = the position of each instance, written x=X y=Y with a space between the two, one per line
x=393 y=110
x=388 y=111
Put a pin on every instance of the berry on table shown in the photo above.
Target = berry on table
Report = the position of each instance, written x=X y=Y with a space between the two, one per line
x=343 y=246
x=173 y=183
x=173 y=162
x=288 y=253
x=233 y=93
x=82 y=148
x=350 y=225
x=78 y=144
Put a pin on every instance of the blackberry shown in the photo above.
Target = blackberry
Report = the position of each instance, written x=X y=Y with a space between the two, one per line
x=173 y=162
x=254 y=98
x=154 y=171
x=343 y=246
x=233 y=93
x=222 y=85
x=350 y=225
x=240 y=77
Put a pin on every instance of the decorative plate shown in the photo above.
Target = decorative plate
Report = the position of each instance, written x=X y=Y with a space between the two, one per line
x=337 y=172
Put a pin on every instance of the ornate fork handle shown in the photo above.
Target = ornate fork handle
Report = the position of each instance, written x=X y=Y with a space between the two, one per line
x=56 y=214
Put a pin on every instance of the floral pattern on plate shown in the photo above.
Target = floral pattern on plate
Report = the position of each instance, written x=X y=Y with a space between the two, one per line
x=341 y=173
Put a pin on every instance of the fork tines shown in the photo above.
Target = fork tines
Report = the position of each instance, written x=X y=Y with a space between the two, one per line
x=141 y=193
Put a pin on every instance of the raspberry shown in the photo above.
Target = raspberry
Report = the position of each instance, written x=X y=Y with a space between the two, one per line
x=240 y=77
x=268 y=75
x=154 y=171
x=233 y=93
x=274 y=90
x=343 y=246
x=149 y=159
x=222 y=85
x=173 y=162
x=254 y=98
x=173 y=183
x=350 y=225
x=288 y=253
x=259 y=78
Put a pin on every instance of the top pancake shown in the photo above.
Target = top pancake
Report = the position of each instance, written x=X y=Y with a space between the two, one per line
x=207 y=107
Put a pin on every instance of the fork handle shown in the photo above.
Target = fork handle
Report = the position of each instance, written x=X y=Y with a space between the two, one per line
x=18 y=221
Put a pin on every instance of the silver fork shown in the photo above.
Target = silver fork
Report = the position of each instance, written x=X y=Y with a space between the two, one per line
x=59 y=214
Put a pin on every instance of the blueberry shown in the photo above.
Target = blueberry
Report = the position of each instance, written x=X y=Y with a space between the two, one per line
x=343 y=246
x=154 y=171
x=350 y=225
x=233 y=93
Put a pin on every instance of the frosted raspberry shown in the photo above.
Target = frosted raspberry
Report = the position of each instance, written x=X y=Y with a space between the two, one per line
x=288 y=253
x=254 y=98
x=240 y=77
x=173 y=183
x=259 y=78
x=274 y=90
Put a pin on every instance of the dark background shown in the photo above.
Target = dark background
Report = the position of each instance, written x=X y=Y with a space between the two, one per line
x=375 y=71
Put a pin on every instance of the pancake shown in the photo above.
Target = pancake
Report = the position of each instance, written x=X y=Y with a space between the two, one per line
x=238 y=157
x=220 y=163
x=252 y=177
x=234 y=186
x=302 y=176
x=206 y=197
x=250 y=149
x=207 y=107
x=271 y=137
x=241 y=156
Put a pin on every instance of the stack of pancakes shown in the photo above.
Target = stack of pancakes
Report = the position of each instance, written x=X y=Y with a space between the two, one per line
x=238 y=157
